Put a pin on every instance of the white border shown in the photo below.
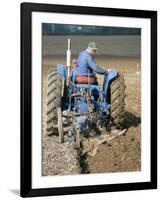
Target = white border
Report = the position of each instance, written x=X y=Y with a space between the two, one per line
x=39 y=181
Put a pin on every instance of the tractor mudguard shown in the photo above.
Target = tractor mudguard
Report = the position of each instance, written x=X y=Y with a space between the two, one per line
x=108 y=77
x=61 y=69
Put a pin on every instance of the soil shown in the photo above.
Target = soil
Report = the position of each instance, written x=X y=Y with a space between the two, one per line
x=122 y=154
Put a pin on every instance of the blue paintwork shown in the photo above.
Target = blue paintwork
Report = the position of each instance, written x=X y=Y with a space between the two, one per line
x=82 y=106
x=107 y=79
x=61 y=69
x=91 y=86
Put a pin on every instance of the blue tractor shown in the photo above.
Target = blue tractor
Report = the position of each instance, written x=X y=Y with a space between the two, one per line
x=79 y=107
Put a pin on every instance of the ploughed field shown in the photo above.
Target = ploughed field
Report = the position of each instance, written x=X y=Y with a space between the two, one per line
x=121 y=154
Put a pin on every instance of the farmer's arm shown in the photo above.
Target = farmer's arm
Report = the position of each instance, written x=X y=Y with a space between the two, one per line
x=96 y=68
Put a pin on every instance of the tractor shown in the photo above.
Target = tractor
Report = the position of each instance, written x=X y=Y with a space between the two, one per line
x=78 y=107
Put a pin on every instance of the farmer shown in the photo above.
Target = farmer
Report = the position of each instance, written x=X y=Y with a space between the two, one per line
x=86 y=64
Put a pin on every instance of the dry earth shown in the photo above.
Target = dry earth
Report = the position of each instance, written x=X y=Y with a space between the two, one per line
x=124 y=152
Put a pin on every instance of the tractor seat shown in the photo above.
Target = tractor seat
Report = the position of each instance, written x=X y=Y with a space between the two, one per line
x=82 y=79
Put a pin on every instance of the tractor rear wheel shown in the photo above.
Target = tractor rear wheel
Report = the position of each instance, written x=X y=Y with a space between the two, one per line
x=117 y=100
x=54 y=93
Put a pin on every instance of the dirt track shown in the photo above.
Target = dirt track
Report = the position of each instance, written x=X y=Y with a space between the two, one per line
x=121 y=154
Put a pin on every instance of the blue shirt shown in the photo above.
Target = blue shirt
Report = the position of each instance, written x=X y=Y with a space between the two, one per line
x=86 y=64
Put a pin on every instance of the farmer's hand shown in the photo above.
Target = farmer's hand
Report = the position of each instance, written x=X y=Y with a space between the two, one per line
x=109 y=70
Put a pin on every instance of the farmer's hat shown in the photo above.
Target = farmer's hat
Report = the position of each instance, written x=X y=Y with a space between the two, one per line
x=92 y=45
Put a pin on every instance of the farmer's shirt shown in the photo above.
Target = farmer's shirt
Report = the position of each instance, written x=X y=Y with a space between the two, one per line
x=86 y=64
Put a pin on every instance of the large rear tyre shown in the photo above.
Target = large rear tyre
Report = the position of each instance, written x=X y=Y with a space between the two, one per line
x=54 y=93
x=117 y=100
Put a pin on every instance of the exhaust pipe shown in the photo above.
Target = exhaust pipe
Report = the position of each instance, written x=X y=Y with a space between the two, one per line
x=68 y=59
